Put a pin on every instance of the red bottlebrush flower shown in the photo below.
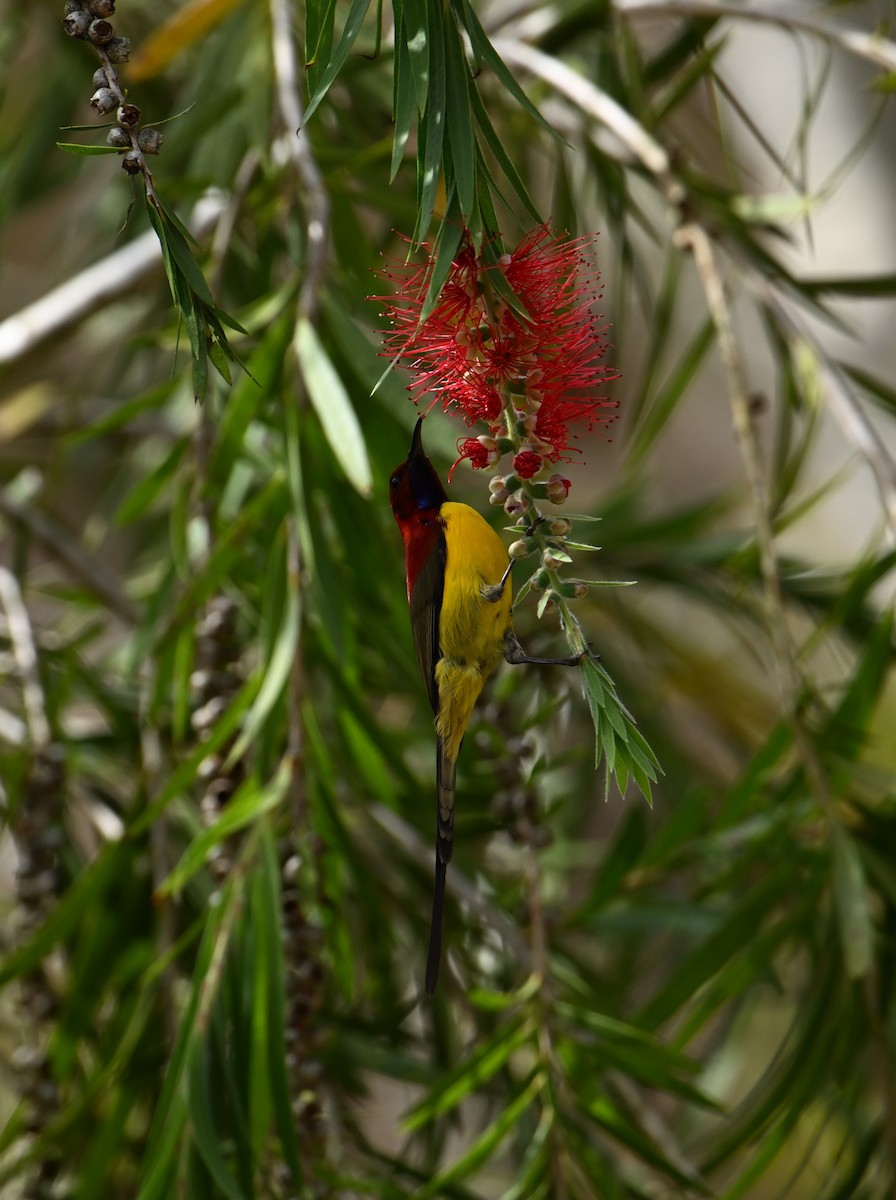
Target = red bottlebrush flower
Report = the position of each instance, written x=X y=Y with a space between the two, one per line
x=474 y=450
x=477 y=352
x=527 y=463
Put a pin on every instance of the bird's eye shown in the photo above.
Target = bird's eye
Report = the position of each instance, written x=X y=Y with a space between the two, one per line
x=394 y=481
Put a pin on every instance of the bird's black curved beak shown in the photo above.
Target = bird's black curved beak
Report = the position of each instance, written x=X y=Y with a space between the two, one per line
x=417 y=452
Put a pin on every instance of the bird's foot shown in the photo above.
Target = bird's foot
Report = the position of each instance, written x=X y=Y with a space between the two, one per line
x=516 y=655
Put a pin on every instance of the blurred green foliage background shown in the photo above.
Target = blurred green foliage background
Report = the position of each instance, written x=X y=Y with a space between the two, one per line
x=216 y=759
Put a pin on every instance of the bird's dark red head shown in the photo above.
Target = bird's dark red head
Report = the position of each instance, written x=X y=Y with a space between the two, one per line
x=414 y=487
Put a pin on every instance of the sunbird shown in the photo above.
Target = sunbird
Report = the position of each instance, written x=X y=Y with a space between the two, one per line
x=460 y=596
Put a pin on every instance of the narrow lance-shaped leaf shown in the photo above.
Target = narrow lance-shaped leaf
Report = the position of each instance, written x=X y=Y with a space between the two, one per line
x=330 y=401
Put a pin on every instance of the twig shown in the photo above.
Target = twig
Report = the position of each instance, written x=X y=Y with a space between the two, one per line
x=596 y=104
x=21 y=636
x=842 y=404
x=95 y=286
x=405 y=836
x=694 y=237
x=62 y=546
x=296 y=145
x=540 y=1005
x=302 y=942
x=870 y=46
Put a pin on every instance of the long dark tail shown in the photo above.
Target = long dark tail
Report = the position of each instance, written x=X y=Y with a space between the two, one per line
x=445 y=771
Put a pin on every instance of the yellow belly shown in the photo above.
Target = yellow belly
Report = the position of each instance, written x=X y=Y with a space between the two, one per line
x=471 y=629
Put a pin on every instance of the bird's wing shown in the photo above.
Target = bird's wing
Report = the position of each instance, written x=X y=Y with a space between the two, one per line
x=426 y=606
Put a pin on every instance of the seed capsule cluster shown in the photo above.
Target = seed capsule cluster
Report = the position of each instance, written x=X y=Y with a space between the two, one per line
x=88 y=21
x=40 y=836
x=214 y=683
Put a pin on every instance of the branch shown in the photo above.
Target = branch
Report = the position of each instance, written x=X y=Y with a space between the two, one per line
x=694 y=237
x=870 y=46
x=96 y=286
x=65 y=549
x=297 y=148
x=597 y=104
x=405 y=836
x=844 y=407
x=18 y=624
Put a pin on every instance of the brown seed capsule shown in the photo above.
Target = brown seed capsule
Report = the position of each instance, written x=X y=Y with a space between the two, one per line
x=132 y=163
x=76 y=23
x=128 y=115
x=101 y=8
x=119 y=138
x=119 y=49
x=100 y=32
x=99 y=78
x=103 y=100
x=149 y=140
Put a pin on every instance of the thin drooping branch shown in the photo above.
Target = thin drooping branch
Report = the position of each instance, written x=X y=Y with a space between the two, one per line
x=842 y=404
x=597 y=104
x=21 y=637
x=65 y=549
x=694 y=237
x=296 y=145
x=873 y=47
x=415 y=846
x=96 y=286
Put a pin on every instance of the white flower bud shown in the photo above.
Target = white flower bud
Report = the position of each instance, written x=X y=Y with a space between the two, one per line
x=516 y=503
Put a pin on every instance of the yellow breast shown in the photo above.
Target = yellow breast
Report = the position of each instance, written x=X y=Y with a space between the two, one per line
x=472 y=629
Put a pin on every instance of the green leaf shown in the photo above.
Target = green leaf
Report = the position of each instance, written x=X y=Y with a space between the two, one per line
x=330 y=401
x=460 y=119
x=183 y=256
x=274 y=674
x=415 y=21
x=486 y=53
x=483 y=1147
x=247 y=804
x=403 y=111
x=432 y=131
x=853 y=904
x=157 y=481
x=447 y=241
x=352 y=28
x=489 y=1056
x=505 y=162
x=205 y=1133
x=86 y=151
